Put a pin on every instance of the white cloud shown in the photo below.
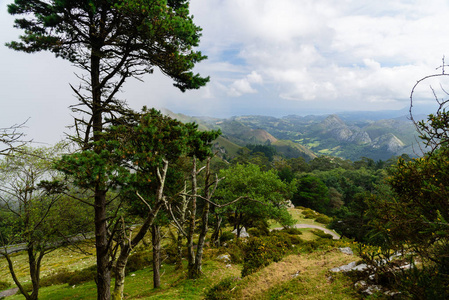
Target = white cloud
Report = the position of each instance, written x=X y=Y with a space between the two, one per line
x=243 y=86
x=319 y=54
x=329 y=51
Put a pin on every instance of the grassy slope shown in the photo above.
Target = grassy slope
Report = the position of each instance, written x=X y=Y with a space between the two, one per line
x=276 y=281
x=303 y=276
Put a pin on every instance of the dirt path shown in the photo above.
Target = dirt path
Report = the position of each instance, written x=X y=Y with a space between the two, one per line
x=9 y=292
x=334 y=235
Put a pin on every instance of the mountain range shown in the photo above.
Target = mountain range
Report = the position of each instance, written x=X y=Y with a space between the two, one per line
x=346 y=135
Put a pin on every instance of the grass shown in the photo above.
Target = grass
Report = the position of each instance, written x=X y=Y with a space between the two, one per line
x=303 y=275
x=139 y=284
x=62 y=258
x=298 y=217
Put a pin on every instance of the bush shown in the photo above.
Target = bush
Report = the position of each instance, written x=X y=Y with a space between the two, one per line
x=309 y=214
x=226 y=236
x=260 y=252
x=235 y=250
x=83 y=275
x=257 y=232
x=289 y=239
x=323 y=219
x=4 y=285
x=222 y=290
x=138 y=261
x=292 y=231
x=322 y=234
x=61 y=277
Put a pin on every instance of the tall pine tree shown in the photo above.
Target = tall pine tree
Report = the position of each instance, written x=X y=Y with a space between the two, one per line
x=110 y=41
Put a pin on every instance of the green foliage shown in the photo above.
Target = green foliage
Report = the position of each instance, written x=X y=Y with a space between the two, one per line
x=226 y=236
x=134 y=147
x=322 y=234
x=71 y=278
x=139 y=260
x=62 y=276
x=312 y=193
x=221 y=290
x=309 y=213
x=83 y=275
x=256 y=232
x=4 y=285
x=261 y=251
x=414 y=218
x=267 y=150
x=423 y=283
x=292 y=231
x=262 y=195
x=133 y=27
x=323 y=219
x=236 y=251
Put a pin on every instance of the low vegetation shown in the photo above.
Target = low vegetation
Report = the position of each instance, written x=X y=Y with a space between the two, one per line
x=281 y=264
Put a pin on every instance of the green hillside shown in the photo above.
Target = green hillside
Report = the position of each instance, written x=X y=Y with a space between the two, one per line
x=311 y=136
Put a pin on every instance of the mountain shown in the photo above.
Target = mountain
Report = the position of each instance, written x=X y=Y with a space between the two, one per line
x=350 y=136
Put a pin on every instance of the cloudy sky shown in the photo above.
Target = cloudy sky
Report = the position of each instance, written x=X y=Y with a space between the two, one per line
x=266 y=57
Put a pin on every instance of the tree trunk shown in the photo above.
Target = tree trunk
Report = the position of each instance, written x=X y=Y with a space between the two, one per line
x=129 y=243
x=238 y=227
x=182 y=220
x=119 y=272
x=204 y=226
x=14 y=276
x=178 y=263
x=190 y=250
x=156 y=241
x=34 y=273
x=196 y=272
x=103 y=278
x=215 y=239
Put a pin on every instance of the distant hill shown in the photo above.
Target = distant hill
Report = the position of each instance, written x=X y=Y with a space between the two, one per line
x=352 y=136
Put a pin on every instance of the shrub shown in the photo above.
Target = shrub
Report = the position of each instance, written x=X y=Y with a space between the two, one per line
x=138 y=261
x=322 y=234
x=4 y=285
x=260 y=252
x=61 y=277
x=292 y=231
x=235 y=250
x=309 y=214
x=257 y=232
x=83 y=275
x=323 y=219
x=289 y=239
x=424 y=283
x=222 y=290
x=226 y=236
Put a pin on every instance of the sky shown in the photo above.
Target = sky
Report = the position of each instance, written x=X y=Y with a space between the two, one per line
x=265 y=57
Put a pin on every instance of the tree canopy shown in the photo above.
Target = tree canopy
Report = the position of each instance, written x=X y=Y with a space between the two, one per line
x=264 y=195
x=110 y=41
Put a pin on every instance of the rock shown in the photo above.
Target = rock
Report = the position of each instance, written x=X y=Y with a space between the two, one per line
x=352 y=266
x=226 y=258
x=296 y=274
x=361 y=267
x=288 y=204
x=346 y=250
x=243 y=233
x=344 y=268
x=372 y=289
